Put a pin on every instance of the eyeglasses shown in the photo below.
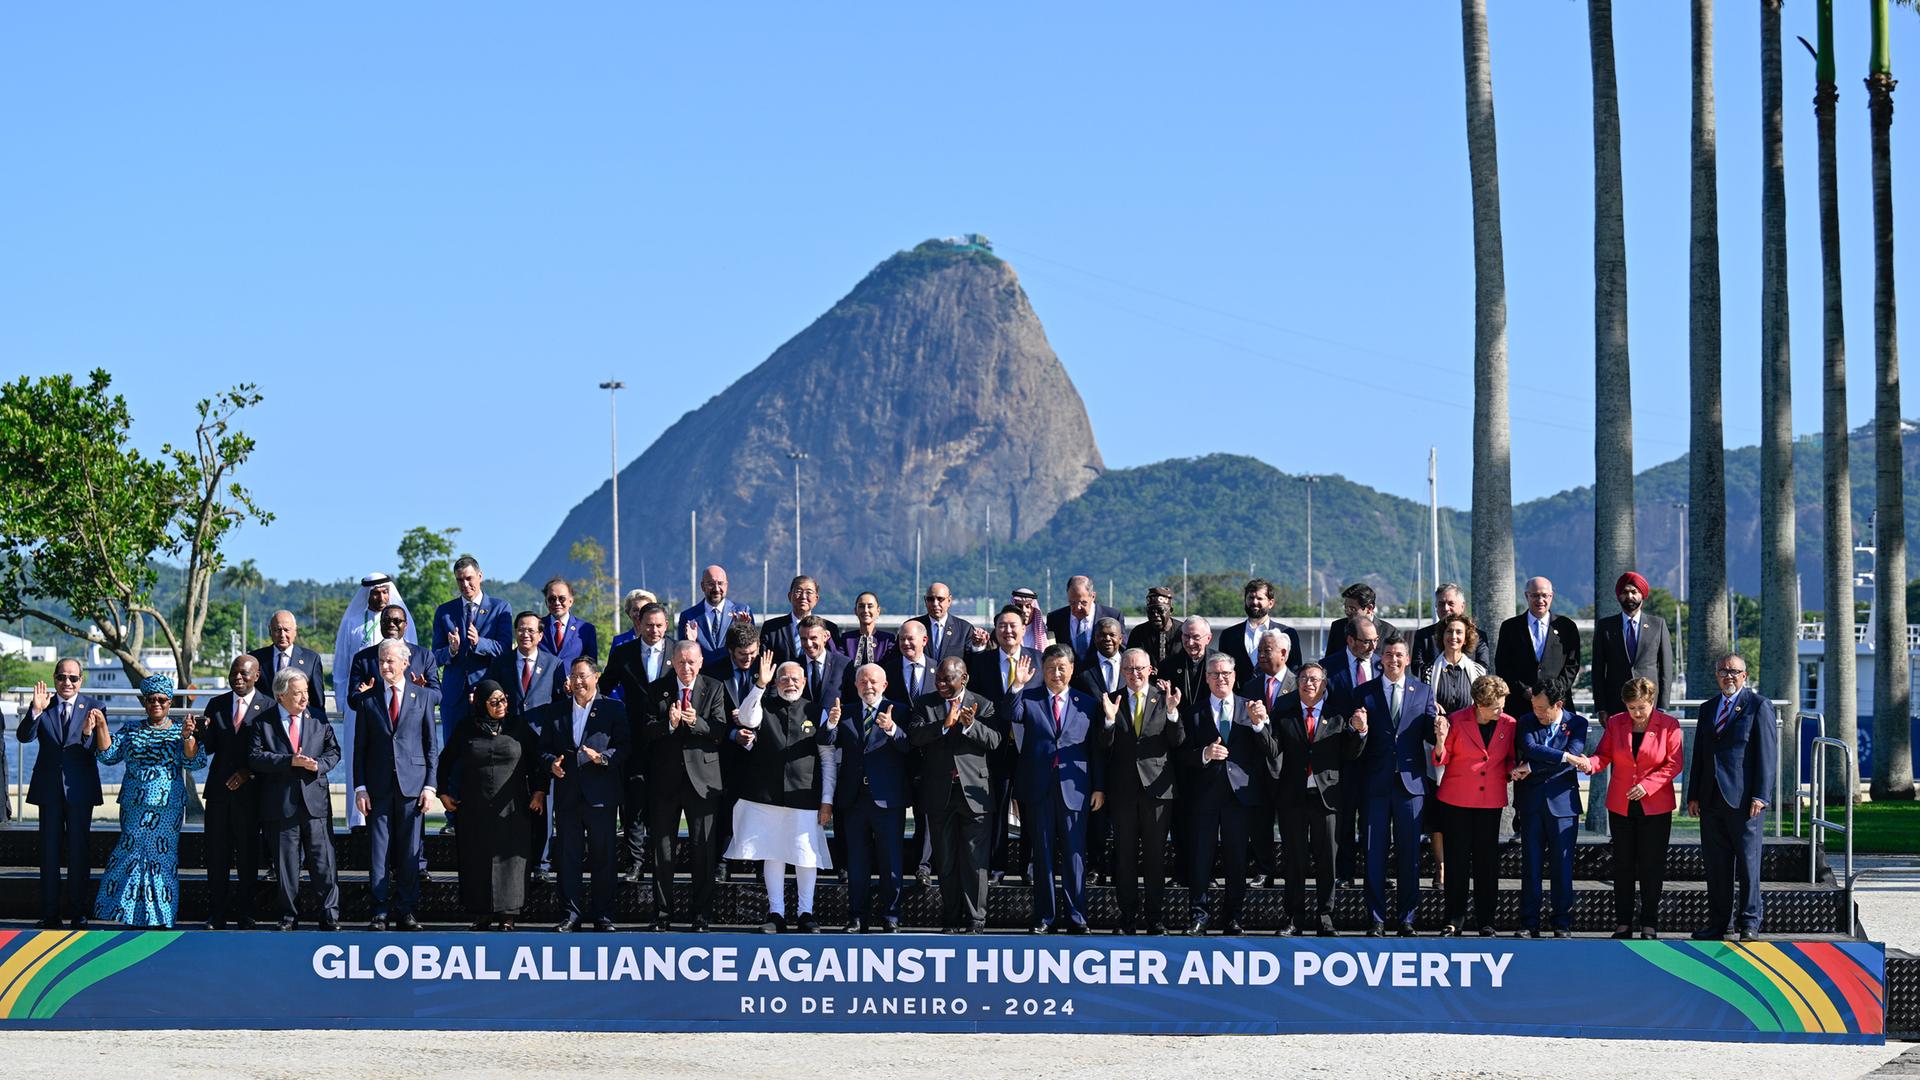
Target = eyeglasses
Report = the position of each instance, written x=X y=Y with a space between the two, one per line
x=1727 y=671
x=498 y=699
x=1219 y=674
x=66 y=678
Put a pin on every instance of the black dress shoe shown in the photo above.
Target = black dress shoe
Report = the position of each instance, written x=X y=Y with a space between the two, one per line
x=663 y=926
x=924 y=876
x=1039 y=928
x=699 y=924
x=481 y=924
x=1078 y=928
x=1158 y=929
x=287 y=922
x=408 y=922
x=244 y=924
x=634 y=876
x=890 y=926
x=329 y=924
x=604 y=926
x=1377 y=930
x=1326 y=927
x=377 y=924
x=855 y=926
x=1648 y=933
x=808 y=924
x=1749 y=935
x=1199 y=927
x=542 y=876
x=1622 y=934
x=567 y=925
x=1709 y=935
x=49 y=924
x=1487 y=931
x=1234 y=929
x=996 y=877
x=1406 y=929
x=78 y=922
x=506 y=926
x=216 y=924
x=1563 y=933
x=977 y=928
x=1127 y=928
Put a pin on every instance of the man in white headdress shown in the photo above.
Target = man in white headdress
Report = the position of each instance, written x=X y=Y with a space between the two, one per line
x=360 y=629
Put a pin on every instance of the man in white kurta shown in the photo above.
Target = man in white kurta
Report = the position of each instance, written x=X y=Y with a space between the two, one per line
x=787 y=795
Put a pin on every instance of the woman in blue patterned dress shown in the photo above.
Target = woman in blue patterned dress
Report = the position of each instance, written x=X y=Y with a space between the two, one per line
x=142 y=884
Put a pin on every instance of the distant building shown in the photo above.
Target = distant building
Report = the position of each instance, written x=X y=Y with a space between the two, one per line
x=15 y=645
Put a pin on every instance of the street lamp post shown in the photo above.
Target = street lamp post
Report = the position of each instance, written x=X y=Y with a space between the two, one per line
x=796 y=456
x=1309 y=481
x=613 y=387
x=1679 y=606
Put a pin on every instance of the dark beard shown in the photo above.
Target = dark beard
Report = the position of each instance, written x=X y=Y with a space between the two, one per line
x=1634 y=607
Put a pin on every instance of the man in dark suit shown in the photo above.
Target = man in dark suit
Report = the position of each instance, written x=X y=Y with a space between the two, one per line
x=1553 y=745
x=707 y=621
x=395 y=767
x=955 y=730
x=632 y=666
x=1268 y=682
x=1242 y=640
x=1358 y=599
x=232 y=800
x=1355 y=665
x=1629 y=645
x=532 y=677
x=1230 y=754
x=947 y=635
x=686 y=722
x=1395 y=715
x=870 y=800
x=828 y=672
x=1186 y=669
x=291 y=756
x=365 y=665
x=781 y=634
x=1098 y=672
x=66 y=788
x=1060 y=781
x=1158 y=633
x=469 y=631
x=1143 y=731
x=1072 y=625
x=1536 y=648
x=560 y=633
x=1318 y=747
x=1001 y=675
x=286 y=652
x=910 y=677
x=1448 y=600
x=584 y=743
x=745 y=643
x=1736 y=753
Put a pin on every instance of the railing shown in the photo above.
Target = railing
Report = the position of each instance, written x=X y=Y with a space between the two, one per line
x=1819 y=823
x=1803 y=791
x=1817 y=631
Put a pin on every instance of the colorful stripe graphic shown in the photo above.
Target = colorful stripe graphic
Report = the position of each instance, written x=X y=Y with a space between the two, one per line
x=42 y=971
x=1806 y=987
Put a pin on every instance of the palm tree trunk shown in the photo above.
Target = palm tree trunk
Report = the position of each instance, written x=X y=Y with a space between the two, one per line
x=1841 y=702
x=1493 y=586
x=1779 y=581
x=1613 y=522
x=1893 y=751
x=1706 y=473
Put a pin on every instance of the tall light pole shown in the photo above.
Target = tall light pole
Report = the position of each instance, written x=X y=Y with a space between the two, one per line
x=1679 y=609
x=613 y=387
x=796 y=456
x=1309 y=481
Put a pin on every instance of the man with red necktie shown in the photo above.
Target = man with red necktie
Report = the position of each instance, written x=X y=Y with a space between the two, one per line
x=1317 y=743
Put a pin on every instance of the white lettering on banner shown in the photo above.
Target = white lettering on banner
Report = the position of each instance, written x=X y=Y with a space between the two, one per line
x=1412 y=969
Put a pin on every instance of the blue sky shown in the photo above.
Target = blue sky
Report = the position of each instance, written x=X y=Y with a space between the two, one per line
x=1245 y=229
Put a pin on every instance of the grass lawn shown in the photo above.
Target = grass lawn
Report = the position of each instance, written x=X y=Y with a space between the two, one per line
x=1880 y=828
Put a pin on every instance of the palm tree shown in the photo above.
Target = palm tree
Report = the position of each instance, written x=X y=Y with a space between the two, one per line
x=1779 y=583
x=1842 y=702
x=1706 y=475
x=243 y=578
x=1613 y=524
x=1892 y=758
x=1493 y=591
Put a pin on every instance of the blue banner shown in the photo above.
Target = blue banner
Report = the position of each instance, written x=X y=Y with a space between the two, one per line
x=1769 y=991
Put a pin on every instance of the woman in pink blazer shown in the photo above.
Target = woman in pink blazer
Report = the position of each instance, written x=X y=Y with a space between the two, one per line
x=1643 y=747
x=1478 y=747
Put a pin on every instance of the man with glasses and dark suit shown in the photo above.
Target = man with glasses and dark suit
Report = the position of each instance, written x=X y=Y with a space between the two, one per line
x=66 y=788
x=1735 y=755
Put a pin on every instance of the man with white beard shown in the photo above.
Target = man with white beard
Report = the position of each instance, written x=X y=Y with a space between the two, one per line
x=787 y=797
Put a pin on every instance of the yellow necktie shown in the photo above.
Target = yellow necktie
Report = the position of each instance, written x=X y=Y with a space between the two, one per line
x=1009 y=672
x=1139 y=707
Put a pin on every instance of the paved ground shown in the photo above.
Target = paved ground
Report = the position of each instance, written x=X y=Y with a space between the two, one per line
x=1888 y=895
x=306 y=1055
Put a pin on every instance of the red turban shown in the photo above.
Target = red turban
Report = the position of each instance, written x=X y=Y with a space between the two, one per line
x=1633 y=579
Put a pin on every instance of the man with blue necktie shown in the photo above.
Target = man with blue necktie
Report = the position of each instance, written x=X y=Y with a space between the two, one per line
x=707 y=622
x=561 y=634
x=1230 y=753
x=1395 y=771
x=870 y=800
x=469 y=632
x=1736 y=753
x=1059 y=776
x=66 y=788
x=632 y=666
x=1553 y=748
x=1072 y=625
x=781 y=635
x=947 y=635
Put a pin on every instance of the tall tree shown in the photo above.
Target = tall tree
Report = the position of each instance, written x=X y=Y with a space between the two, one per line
x=84 y=517
x=1779 y=581
x=244 y=578
x=1493 y=585
x=1706 y=457
x=1613 y=524
x=1836 y=562
x=1892 y=740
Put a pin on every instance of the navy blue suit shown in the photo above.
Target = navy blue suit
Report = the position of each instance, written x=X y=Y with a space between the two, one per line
x=306 y=662
x=1547 y=802
x=365 y=668
x=1395 y=773
x=870 y=799
x=66 y=788
x=394 y=759
x=586 y=798
x=1222 y=796
x=296 y=805
x=1060 y=769
x=462 y=671
x=954 y=637
x=836 y=673
x=548 y=684
x=582 y=640
x=1735 y=761
x=713 y=641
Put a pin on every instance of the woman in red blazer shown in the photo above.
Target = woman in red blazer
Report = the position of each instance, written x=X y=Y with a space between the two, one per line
x=1478 y=747
x=1644 y=748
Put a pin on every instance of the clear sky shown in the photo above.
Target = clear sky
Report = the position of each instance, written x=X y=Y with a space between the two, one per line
x=428 y=230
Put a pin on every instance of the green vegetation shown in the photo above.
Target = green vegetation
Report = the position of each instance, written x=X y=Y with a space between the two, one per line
x=1882 y=828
